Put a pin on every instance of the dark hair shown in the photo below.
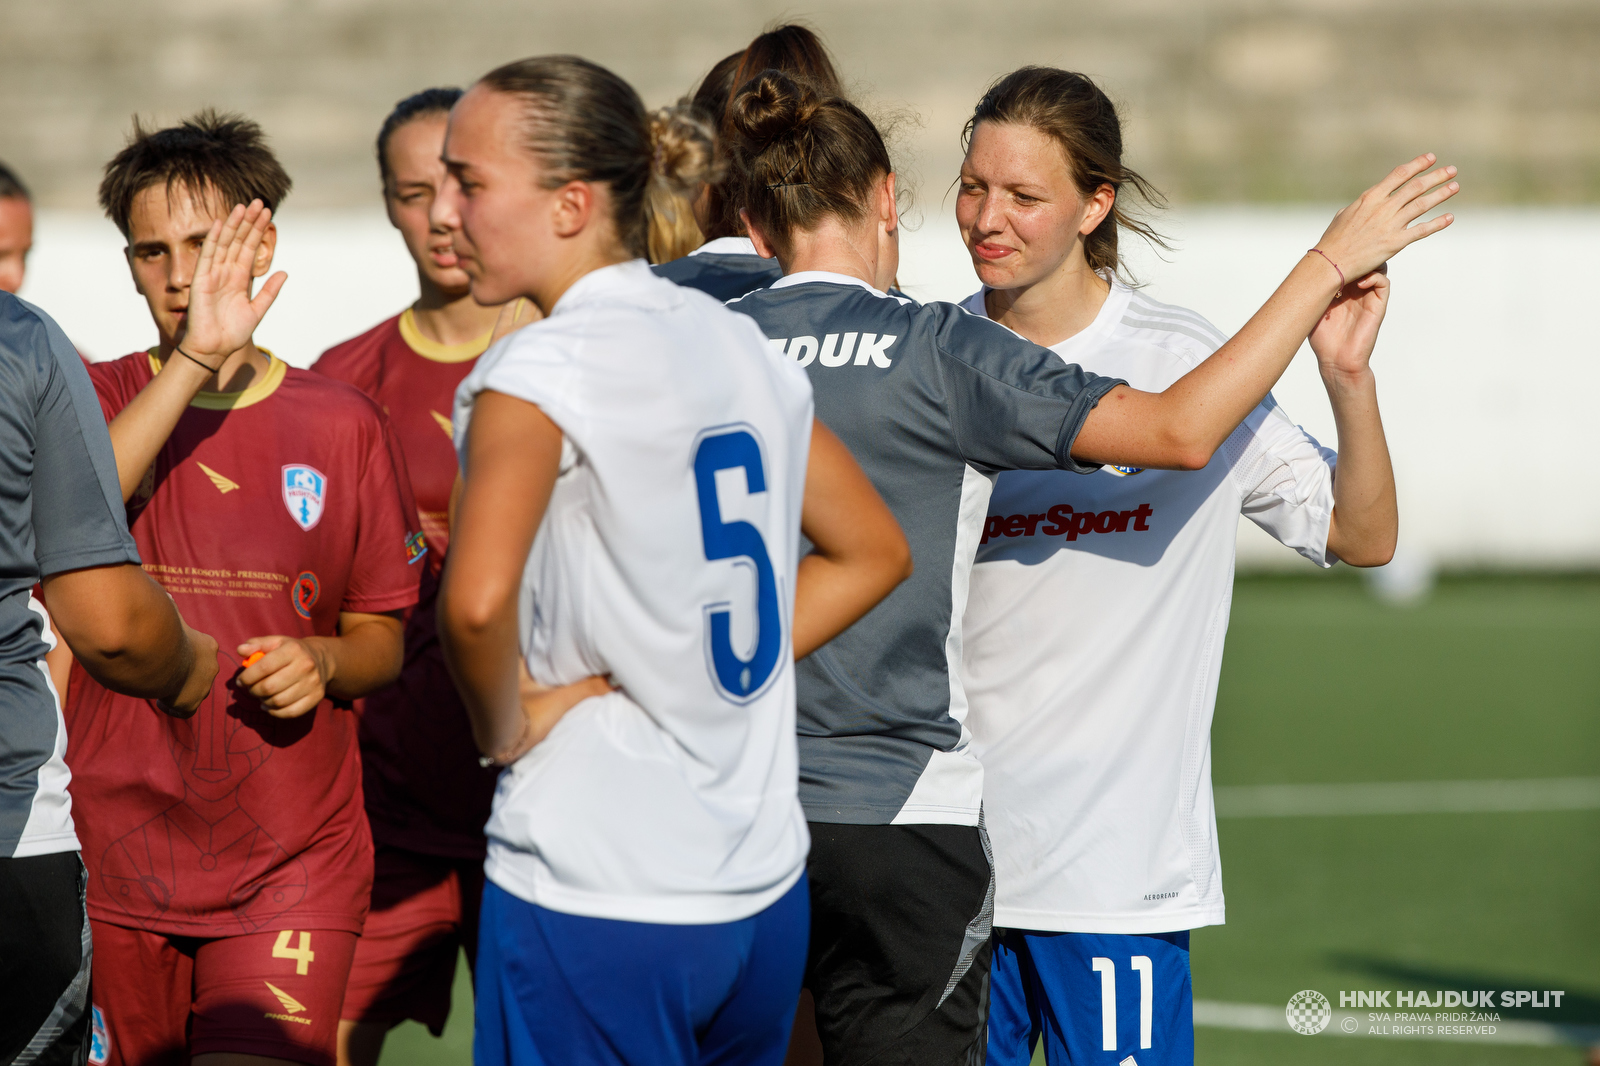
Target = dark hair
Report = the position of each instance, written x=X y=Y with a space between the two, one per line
x=1080 y=117
x=800 y=155
x=211 y=154
x=716 y=88
x=583 y=123
x=427 y=102
x=792 y=48
x=11 y=187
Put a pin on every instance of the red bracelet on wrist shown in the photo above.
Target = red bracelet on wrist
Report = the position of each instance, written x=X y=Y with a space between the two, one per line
x=1331 y=263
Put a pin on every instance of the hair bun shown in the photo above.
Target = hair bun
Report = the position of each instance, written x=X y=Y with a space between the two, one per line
x=769 y=107
x=683 y=148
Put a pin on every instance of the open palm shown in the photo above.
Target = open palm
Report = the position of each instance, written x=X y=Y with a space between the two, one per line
x=222 y=315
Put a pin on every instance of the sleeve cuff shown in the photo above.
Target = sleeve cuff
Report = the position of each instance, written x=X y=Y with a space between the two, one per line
x=1072 y=425
x=51 y=564
x=394 y=601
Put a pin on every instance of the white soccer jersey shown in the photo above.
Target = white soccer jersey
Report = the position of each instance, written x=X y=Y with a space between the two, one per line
x=667 y=560
x=1094 y=635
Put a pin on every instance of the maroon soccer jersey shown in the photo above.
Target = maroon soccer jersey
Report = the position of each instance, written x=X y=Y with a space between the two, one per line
x=425 y=789
x=267 y=512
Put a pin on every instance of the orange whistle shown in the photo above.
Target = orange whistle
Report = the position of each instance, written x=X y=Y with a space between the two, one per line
x=255 y=657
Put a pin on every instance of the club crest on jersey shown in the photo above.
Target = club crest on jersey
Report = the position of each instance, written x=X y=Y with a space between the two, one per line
x=305 y=489
x=1123 y=471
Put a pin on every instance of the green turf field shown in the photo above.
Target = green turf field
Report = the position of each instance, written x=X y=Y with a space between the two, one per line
x=1491 y=678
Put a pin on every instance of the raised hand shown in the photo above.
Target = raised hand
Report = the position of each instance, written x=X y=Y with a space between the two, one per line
x=1379 y=223
x=222 y=315
x=1347 y=331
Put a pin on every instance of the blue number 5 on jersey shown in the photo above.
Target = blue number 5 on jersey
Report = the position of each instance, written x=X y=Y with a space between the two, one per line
x=740 y=680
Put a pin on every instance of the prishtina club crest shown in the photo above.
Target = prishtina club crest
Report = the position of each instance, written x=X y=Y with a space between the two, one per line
x=1308 y=1012
x=304 y=491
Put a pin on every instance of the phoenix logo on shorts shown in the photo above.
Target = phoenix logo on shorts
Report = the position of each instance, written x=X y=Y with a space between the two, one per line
x=304 y=490
x=416 y=547
x=1063 y=520
x=291 y=1005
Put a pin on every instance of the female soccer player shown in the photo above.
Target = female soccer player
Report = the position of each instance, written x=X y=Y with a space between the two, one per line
x=726 y=265
x=934 y=401
x=426 y=796
x=636 y=480
x=1093 y=724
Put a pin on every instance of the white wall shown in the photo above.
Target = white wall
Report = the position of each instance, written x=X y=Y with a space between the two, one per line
x=1488 y=368
x=347 y=271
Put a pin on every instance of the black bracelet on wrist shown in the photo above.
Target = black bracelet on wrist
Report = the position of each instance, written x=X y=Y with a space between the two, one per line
x=192 y=359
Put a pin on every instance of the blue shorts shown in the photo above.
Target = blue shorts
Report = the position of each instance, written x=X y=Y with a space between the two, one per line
x=559 y=989
x=1110 y=998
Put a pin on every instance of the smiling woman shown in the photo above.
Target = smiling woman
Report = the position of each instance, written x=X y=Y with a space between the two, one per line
x=1057 y=698
x=1047 y=145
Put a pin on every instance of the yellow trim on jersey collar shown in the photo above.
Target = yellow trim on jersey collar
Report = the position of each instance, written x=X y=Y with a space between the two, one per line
x=440 y=353
x=233 y=401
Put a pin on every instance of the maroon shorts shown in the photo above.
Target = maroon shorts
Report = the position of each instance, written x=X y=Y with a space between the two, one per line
x=424 y=910
x=162 y=999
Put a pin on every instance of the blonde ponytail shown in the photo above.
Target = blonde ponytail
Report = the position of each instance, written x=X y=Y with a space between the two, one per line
x=683 y=159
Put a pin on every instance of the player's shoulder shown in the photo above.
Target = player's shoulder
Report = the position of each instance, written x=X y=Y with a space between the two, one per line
x=724 y=268
x=316 y=395
x=823 y=298
x=1179 y=330
x=352 y=357
x=132 y=371
x=22 y=324
x=30 y=340
x=133 y=363
x=971 y=336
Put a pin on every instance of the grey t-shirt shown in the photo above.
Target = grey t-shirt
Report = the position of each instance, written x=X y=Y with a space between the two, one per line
x=723 y=269
x=933 y=402
x=60 y=510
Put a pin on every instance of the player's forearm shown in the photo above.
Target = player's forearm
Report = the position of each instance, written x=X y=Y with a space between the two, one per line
x=859 y=553
x=364 y=657
x=480 y=647
x=1366 y=515
x=1181 y=428
x=830 y=595
x=141 y=428
x=128 y=635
